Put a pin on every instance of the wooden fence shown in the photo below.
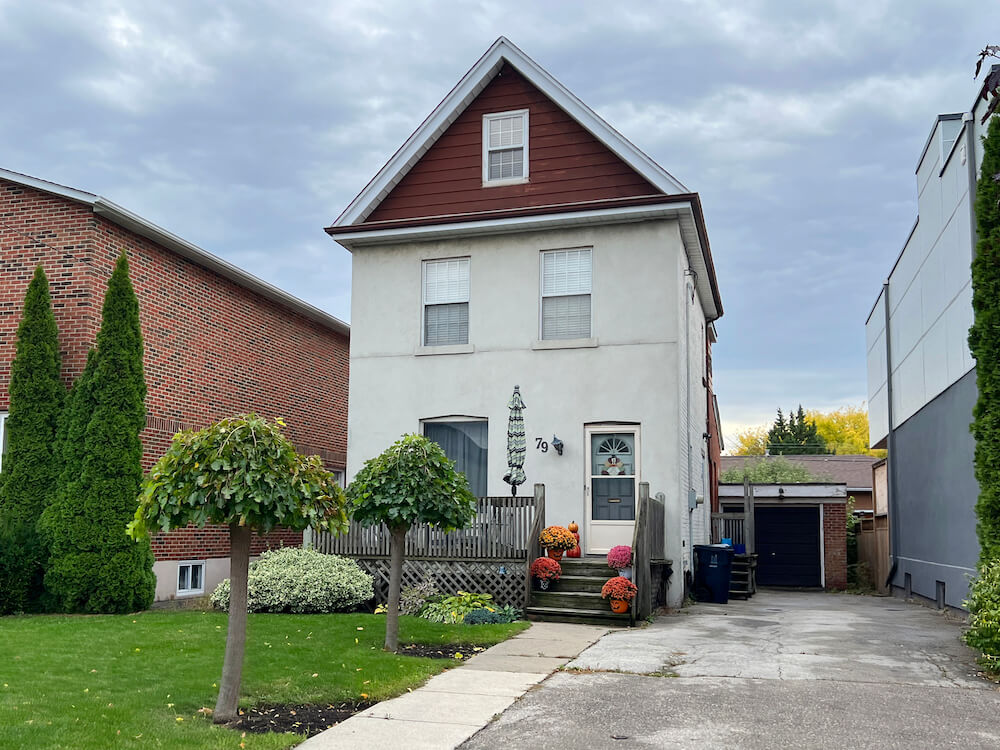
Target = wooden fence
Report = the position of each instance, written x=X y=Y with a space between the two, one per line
x=873 y=551
x=490 y=556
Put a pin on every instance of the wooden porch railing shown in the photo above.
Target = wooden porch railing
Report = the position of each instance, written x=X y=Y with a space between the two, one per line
x=534 y=548
x=490 y=556
x=502 y=529
x=648 y=547
x=728 y=526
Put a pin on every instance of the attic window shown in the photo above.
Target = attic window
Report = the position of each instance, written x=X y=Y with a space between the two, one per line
x=505 y=148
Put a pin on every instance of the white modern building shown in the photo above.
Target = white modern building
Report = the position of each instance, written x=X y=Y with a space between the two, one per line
x=516 y=239
x=918 y=331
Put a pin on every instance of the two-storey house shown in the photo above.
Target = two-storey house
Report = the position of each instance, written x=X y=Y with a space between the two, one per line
x=517 y=239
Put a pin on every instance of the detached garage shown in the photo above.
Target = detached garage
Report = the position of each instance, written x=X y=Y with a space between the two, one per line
x=798 y=531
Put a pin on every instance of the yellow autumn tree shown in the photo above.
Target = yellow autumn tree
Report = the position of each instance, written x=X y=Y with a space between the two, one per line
x=845 y=430
x=750 y=442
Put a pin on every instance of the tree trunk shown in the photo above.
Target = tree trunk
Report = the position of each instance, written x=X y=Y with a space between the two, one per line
x=395 y=579
x=236 y=636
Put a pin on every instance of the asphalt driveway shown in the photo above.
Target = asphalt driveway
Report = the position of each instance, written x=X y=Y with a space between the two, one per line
x=785 y=669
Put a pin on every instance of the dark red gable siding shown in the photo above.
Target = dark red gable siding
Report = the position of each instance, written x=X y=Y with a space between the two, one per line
x=566 y=163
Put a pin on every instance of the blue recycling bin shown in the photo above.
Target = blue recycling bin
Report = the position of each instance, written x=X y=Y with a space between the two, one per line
x=713 y=571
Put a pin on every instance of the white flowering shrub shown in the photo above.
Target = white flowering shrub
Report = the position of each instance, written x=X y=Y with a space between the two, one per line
x=302 y=581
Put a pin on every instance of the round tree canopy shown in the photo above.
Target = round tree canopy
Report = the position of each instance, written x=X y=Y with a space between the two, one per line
x=240 y=469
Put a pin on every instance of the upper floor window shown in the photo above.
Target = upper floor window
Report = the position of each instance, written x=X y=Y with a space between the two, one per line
x=566 y=281
x=505 y=147
x=446 y=302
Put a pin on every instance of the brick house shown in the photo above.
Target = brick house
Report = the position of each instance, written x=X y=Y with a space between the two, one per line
x=218 y=342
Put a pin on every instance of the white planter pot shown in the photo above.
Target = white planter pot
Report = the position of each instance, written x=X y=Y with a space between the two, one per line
x=626 y=573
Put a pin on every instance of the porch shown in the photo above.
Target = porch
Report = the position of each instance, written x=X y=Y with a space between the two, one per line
x=493 y=554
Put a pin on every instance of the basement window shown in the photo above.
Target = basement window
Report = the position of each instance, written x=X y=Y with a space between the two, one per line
x=190 y=578
x=505 y=148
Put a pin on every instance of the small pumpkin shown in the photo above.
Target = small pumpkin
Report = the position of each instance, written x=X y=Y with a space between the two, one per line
x=573 y=527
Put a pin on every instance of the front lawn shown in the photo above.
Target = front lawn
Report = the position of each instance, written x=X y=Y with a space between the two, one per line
x=139 y=680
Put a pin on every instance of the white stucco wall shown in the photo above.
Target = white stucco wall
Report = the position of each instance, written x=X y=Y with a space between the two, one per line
x=632 y=375
x=930 y=288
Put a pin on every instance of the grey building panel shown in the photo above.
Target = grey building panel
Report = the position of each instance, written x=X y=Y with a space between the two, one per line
x=937 y=492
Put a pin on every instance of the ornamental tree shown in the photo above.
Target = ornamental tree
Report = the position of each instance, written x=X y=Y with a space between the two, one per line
x=94 y=566
x=411 y=482
x=984 y=343
x=244 y=473
x=29 y=469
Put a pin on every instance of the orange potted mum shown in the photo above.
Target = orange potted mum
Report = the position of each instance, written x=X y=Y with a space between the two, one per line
x=556 y=539
x=621 y=591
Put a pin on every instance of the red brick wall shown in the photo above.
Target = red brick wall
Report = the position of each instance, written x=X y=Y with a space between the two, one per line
x=212 y=348
x=835 y=545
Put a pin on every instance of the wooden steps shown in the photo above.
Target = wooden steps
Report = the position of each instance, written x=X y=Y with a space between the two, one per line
x=743 y=582
x=576 y=596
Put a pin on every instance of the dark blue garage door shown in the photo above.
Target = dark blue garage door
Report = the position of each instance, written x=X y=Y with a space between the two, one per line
x=787 y=546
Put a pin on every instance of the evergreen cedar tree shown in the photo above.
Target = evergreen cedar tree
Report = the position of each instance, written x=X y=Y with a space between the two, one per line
x=242 y=472
x=797 y=436
x=984 y=343
x=411 y=482
x=94 y=567
x=29 y=467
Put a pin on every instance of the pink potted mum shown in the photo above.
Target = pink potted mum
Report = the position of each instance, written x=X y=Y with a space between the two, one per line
x=620 y=558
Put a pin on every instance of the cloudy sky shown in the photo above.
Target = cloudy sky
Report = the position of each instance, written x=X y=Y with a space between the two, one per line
x=246 y=127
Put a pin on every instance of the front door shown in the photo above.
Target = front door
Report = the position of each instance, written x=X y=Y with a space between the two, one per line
x=612 y=479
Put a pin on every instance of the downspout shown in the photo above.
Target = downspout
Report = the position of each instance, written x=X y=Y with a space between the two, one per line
x=890 y=475
x=688 y=291
x=970 y=163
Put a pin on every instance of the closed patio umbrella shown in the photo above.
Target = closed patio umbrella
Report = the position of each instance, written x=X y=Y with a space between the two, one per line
x=516 y=444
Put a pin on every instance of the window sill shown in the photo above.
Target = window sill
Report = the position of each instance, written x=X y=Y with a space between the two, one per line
x=190 y=592
x=590 y=343
x=505 y=183
x=423 y=351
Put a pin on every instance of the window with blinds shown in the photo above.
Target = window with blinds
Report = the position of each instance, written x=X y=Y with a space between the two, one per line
x=566 y=284
x=505 y=147
x=446 y=302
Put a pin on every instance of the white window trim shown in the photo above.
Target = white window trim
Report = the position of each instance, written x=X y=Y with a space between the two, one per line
x=578 y=343
x=190 y=592
x=442 y=348
x=487 y=182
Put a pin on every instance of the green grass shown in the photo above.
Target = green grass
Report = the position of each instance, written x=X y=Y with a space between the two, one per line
x=139 y=680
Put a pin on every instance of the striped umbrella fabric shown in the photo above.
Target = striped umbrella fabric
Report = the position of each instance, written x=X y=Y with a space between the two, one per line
x=517 y=446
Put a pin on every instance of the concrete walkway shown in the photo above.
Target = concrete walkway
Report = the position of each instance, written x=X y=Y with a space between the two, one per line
x=454 y=705
x=785 y=669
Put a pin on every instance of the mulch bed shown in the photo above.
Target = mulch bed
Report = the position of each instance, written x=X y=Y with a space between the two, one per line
x=444 y=651
x=310 y=720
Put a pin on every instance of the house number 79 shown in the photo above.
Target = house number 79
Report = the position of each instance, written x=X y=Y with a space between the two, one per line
x=541 y=445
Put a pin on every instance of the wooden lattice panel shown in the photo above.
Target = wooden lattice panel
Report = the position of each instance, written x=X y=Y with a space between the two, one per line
x=504 y=579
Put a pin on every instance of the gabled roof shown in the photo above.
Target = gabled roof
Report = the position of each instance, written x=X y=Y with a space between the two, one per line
x=472 y=83
x=350 y=230
x=854 y=471
x=135 y=223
